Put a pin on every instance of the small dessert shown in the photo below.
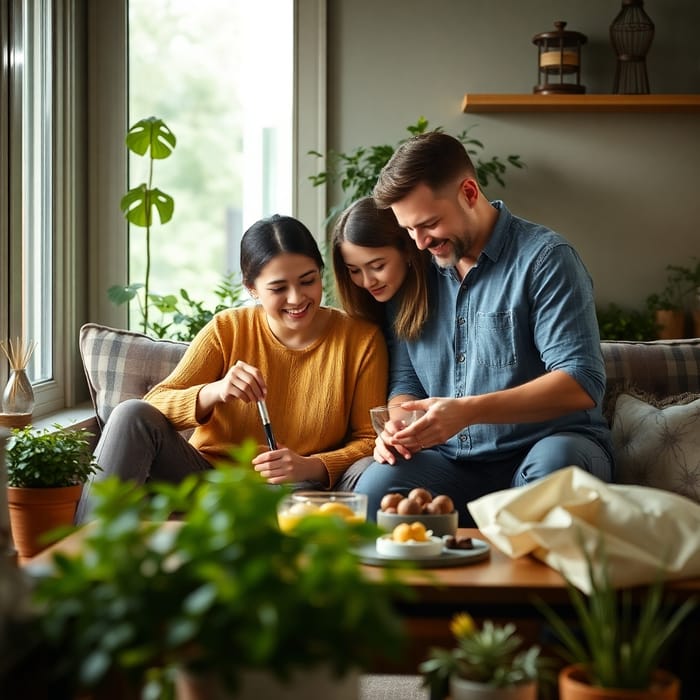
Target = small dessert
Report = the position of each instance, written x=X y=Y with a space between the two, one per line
x=452 y=542
x=410 y=541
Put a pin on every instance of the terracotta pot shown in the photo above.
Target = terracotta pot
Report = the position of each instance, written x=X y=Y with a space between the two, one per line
x=573 y=685
x=670 y=324
x=36 y=511
x=461 y=689
x=257 y=685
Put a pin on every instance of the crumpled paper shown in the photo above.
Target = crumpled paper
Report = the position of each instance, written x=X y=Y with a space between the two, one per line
x=644 y=531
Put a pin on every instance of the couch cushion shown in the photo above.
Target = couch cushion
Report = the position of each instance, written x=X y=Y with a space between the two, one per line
x=657 y=443
x=122 y=365
x=660 y=367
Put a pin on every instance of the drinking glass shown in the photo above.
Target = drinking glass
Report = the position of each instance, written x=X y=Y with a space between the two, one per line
x=401 y=417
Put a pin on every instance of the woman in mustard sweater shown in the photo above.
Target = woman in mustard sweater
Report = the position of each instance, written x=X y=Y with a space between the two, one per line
x=318 y=370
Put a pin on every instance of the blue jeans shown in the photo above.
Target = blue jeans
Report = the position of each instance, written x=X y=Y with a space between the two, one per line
x=464 y=481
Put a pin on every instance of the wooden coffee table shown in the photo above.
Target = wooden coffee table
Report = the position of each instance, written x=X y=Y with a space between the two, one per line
x=503 y=590
x=498 y=588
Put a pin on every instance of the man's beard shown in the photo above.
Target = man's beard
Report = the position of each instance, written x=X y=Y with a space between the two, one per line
x=457 y=251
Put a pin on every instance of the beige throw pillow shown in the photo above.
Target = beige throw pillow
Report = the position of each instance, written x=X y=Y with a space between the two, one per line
x=658 y=443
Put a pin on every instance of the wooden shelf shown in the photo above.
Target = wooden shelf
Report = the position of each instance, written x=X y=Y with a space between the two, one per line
x=580 y=103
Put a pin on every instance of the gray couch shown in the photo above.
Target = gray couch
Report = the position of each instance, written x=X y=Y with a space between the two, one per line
x=652 y=399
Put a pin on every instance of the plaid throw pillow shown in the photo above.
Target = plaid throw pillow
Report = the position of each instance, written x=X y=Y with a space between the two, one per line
x=658 y=367
x=122 y=365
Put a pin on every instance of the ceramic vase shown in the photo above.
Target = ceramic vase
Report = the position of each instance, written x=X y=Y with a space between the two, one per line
x=18 y=396
x=573 y=685
x=462 y=689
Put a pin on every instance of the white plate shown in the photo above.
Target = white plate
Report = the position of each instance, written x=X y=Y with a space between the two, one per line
x=411 y=549
x=368 y=554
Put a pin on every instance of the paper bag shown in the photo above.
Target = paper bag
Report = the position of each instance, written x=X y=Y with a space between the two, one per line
x=645 y=531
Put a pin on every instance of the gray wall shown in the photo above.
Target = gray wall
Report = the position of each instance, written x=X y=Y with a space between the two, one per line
x=624 y=188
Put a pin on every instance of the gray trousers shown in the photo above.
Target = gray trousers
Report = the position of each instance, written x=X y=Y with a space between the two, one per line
x=139 y=444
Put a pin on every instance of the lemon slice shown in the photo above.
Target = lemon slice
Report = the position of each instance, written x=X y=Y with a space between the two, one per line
x=333 y=508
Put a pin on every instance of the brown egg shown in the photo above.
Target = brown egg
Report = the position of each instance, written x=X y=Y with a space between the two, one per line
x=432 y=508
x=408 y=506
x=390 y=500
x=443 y=504
x=389 y=510
x=422 y=495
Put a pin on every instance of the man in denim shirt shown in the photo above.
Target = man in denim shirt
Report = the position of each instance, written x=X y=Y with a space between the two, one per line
x=508 y=365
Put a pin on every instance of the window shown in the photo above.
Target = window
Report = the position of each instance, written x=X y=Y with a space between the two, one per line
x=63 y=170
x=220 y=74
x=33 y=308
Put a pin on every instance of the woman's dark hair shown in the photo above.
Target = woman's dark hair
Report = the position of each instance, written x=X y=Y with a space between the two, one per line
x=434 y=159
x=268 y=238
x=364 y=224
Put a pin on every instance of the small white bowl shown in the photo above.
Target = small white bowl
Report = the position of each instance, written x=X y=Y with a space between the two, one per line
x=410 y=549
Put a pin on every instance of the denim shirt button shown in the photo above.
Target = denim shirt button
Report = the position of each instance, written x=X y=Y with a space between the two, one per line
x=461 y=321
x=460 y=357
x=462 y=438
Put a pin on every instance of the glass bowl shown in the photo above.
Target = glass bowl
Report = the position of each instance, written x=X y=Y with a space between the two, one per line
x=348 y=505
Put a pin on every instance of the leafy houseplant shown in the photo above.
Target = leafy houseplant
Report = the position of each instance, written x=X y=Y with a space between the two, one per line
x=358 y=171
x=616 y=323
x=677 y=297
x=491 y=657
x=619 y=647
x=153 y=137
x=45 y=472
x=222 y=592
x=189 y=317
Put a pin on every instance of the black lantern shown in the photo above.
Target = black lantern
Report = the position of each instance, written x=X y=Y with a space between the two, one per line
x=631 y=34
x=559 y=61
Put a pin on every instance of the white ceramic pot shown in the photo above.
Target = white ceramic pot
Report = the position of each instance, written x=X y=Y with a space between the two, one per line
x=257 y=685
x=461 y=689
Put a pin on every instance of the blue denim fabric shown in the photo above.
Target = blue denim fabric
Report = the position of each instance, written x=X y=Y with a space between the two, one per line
x=525 y=308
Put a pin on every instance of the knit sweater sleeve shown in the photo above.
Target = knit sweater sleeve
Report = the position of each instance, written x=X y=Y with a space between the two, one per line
x=206 y=360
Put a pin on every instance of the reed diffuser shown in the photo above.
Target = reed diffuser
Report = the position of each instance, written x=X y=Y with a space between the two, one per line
x=18 y=397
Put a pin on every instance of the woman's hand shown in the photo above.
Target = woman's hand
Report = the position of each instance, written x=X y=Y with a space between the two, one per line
x=283 y=465
x=242 y=381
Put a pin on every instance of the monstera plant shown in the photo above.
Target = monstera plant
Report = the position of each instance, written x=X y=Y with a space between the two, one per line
x=153 y=139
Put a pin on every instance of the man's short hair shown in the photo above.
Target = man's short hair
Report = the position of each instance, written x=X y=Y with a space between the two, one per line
x=434 y=159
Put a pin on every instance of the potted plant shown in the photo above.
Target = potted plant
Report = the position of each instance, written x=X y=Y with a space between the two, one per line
x=670 y=305
x=46 y=470
x=618 y=646
x=358 y=171
x=692 y=277
x=616 y=323
x=487 y=664
x=221 y=599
